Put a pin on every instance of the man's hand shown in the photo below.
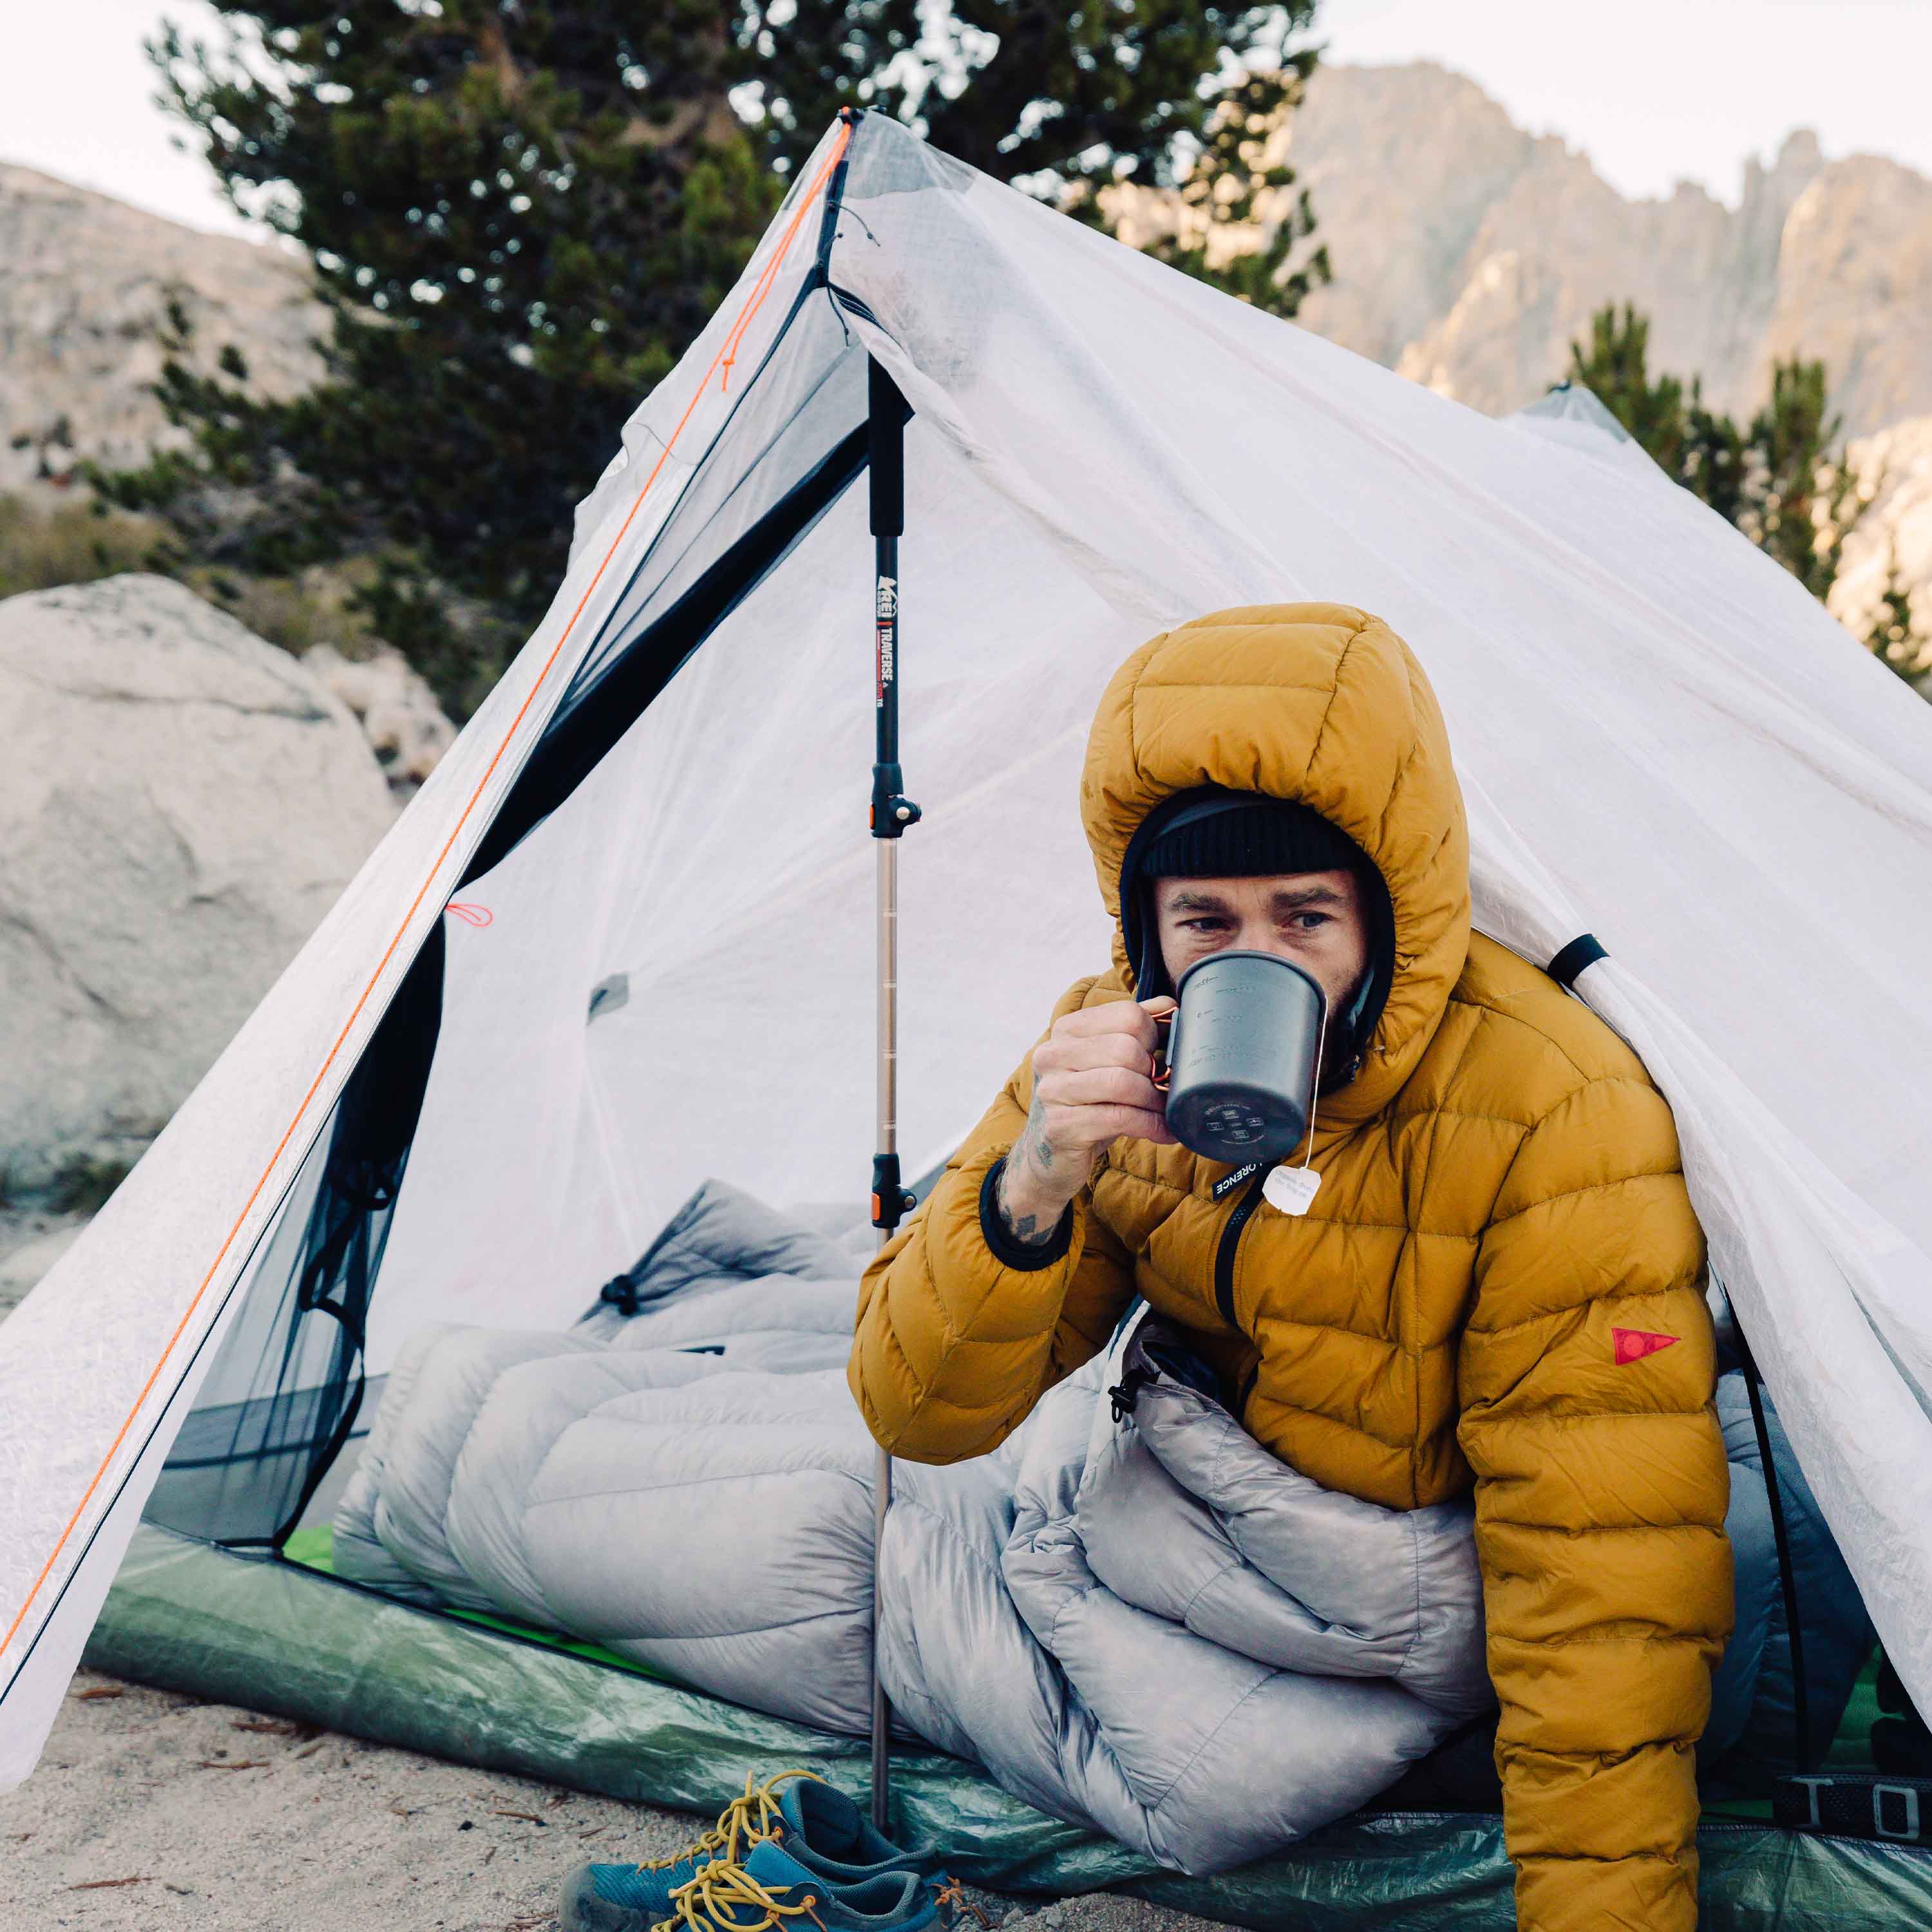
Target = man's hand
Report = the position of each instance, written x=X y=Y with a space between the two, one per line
x=1092 y=1082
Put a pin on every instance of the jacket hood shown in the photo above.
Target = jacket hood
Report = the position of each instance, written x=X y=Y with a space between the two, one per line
x=1325 y=705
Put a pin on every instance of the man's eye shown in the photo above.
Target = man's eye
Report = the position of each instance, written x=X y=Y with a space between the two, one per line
x=1311 y=922
x=1206 y=925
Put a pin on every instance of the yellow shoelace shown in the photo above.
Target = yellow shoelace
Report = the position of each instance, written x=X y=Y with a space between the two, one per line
x=953 y=1903
x=707 y=1904
x=740 y=1825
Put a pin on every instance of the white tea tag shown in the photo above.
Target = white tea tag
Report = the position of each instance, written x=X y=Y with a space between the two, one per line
x=1291 y=1189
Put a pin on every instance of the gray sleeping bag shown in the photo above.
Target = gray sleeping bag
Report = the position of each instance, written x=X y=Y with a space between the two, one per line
x=1131 y=1614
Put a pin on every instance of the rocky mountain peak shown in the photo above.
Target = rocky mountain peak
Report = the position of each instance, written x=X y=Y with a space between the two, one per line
x=86 y=284
x=1469 y=254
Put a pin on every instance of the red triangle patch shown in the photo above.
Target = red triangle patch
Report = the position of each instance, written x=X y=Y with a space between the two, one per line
x=1633 y=1344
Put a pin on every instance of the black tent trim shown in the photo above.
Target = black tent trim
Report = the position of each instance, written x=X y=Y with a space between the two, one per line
x=572 y=748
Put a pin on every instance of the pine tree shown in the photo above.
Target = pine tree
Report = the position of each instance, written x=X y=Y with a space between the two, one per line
x=1801 y=498
x=1894 y=638
x=1616 y=370
x=519 y=212
x=1713 y=464
x=1783 y=479
x=1237 y=224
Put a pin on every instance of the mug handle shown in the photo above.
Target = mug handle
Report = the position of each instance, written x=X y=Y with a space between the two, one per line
x=1163 y=1070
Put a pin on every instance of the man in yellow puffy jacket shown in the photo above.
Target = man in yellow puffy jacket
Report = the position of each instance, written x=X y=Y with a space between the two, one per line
x=1498 y=1284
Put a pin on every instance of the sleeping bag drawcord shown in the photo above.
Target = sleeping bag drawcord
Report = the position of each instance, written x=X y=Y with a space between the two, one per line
x=621 y=1292
x=1800 y=1711
x=1125 y=1393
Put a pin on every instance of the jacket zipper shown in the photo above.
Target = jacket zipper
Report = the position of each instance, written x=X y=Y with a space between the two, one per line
x=1230 y=1241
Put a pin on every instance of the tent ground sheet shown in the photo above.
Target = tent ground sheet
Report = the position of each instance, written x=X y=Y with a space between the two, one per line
x=283 y=1637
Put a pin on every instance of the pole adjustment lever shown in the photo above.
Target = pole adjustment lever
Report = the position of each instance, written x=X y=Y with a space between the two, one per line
x=891 y=1201
x=892 y=811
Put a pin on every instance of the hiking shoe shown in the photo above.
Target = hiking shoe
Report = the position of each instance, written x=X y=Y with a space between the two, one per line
x=771 y=1892
x=825 y=1833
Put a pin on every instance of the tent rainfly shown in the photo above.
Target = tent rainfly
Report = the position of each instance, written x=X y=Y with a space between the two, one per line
x=657 y=821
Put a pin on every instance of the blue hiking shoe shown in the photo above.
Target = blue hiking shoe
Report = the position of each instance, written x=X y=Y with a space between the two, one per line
x=771 y=1891
x=823 y=1832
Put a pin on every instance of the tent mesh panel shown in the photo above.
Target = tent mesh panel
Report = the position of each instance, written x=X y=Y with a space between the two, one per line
x=282 y=1397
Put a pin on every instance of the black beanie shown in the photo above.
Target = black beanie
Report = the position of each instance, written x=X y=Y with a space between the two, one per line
x=1232 y=836
x=1211 y=832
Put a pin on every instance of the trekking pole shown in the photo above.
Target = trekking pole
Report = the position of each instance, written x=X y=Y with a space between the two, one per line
x=892 y=812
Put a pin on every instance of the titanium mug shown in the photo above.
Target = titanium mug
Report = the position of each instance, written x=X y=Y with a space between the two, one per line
x=1243 y=1049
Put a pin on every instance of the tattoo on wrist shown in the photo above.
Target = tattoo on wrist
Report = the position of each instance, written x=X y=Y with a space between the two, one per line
x=1032 y=1153
x=1033 y=1150
x=1024 y=1228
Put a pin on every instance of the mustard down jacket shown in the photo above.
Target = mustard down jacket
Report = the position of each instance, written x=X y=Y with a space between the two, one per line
x=1501 y=1193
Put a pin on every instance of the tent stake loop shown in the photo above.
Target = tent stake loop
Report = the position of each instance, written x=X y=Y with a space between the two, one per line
x=893 y=813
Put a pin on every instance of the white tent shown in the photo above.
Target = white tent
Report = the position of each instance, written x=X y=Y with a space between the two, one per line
x=1663 y=739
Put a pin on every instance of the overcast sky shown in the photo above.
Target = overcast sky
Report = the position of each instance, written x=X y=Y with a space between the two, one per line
x=1653 y=90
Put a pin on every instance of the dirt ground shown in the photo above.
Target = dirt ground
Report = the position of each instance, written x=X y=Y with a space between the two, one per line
x=152 y=1812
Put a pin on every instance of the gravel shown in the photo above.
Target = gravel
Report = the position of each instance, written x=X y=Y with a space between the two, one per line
x=152 y=1811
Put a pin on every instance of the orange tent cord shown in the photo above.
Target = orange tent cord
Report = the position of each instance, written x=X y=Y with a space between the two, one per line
x=727 y=353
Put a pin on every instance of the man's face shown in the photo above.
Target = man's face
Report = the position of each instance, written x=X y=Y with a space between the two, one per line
x=1315 y=919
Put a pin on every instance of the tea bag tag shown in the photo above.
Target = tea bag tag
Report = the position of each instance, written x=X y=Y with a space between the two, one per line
x=1291 y=1189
